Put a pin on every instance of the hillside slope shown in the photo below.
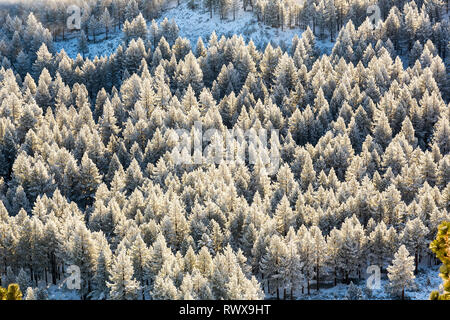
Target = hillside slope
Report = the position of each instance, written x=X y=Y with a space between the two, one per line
x=197 y=23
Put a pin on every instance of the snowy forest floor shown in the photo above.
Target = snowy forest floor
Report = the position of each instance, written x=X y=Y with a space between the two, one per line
x=194 y=24
x=426 y=281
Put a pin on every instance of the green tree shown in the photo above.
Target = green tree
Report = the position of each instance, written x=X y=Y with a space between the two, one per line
x=83 y=44
x=441 y=247
x=13 y=292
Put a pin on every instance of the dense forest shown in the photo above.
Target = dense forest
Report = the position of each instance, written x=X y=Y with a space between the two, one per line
x=88 y=148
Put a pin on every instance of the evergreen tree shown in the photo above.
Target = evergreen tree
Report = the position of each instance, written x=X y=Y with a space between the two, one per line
x=401 y=272
x=306 y=252
x=107 y=22
x=30 y=295
x=271 y=264
x=140 y=256
x=413 y=237
x=284 y=216
x=88 y=181
x=102 y=273
x=83 y=44
x=292 y=267
x=354 y=292
x=81 y=252
x=319 y=252
x=122 y=284
x=440 y=247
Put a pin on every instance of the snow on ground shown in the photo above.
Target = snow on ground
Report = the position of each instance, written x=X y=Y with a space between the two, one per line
x=426 y=281
x=61 y=293
x=101 y=48
x=197 y=23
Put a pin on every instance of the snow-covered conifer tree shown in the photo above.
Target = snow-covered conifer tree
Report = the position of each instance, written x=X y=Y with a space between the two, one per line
x=401 y=272
x=122 y=284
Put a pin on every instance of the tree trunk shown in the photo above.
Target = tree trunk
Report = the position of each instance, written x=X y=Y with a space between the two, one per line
x=31 y=273
x=53 y=268
x=317 y=278
x=335 y=277
x=416 y=260
x=331 y=33
x=262 y=278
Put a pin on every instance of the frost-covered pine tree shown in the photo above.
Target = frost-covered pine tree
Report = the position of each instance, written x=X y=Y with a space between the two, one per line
x=319 y=252
x=9 y=277
x=107 y=22
x=442 y=134
x=414 y=238
x=306 y=252
x=122 y=284
x=354 y=292
x=164 y=288
x=377 y=245
x=30 y=294
x=83 y=46
x=102 y=272
x=292 y=267
x=272 y=263
x=140 y=256
x=159 y=253
x=41 y=293
x=88 y=181
x=94 y=26
x=204 y=262
x=401 y=272
x=131 y=10
x=23 y=279
x=308 y=175
x=190 y=74
x=284 y=216
x=382 y=132
x=80 y=251
x=334 y=242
